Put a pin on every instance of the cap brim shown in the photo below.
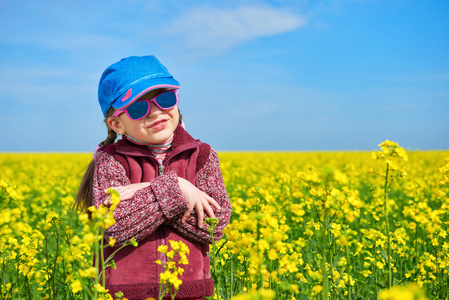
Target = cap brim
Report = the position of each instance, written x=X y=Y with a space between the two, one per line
x=142 y=87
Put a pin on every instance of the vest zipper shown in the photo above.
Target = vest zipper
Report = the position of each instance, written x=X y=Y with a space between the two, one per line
x=161 y=169
x=161 y=231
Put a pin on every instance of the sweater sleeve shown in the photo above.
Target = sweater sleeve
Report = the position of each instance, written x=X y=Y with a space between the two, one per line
x=210 y=180
x=149 y=207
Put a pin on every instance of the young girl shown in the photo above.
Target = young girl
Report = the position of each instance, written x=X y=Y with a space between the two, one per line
x=168 y=181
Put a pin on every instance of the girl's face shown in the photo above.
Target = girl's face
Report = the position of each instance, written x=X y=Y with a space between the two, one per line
x=156 y=127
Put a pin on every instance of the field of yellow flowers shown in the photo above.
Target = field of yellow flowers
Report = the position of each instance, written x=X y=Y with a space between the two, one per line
x=305 y=225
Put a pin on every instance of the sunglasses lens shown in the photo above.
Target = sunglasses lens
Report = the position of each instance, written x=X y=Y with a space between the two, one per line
x=166 y=100
x=138 y=110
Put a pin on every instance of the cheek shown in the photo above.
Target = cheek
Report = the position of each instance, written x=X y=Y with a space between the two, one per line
x=174 y=114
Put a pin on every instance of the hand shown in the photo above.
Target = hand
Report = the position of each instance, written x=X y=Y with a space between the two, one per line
x=198 y=200
x=127 y=191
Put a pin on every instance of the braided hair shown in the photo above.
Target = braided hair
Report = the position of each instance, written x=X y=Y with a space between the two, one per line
x=84 y=197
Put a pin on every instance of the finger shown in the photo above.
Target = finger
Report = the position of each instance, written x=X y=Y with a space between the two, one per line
x=200 y=212
x=186 y=214
x=107 y=201
x=208 y=210
x=212 y=201
x=125 y=196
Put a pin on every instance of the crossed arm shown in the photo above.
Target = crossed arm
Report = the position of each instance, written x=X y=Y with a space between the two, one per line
x=197 y=199
x=166 y=199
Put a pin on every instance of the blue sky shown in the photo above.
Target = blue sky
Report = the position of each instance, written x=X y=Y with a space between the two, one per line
x=255 y=75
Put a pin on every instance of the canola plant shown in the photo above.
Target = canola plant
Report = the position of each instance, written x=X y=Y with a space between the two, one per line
x=305 y=225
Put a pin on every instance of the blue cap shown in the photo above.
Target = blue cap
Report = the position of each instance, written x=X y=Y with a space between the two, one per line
x=129 y=79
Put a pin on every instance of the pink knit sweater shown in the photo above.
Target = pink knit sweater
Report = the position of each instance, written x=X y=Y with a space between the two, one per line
x=160 y=203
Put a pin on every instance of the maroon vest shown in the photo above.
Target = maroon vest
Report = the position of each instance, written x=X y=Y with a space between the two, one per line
x=137 y=274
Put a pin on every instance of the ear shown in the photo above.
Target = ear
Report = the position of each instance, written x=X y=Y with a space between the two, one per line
x=116 y=125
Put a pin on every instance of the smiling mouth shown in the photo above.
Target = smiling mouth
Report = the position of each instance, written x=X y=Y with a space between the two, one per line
x=158 y=125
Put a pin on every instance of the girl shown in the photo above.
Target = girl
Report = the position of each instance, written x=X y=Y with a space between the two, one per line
x=169 y=180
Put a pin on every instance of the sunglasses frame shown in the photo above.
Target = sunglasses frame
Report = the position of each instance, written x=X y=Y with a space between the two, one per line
x=148 y=101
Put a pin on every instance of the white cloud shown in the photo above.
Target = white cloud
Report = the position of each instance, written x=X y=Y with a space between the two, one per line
x=220 y=29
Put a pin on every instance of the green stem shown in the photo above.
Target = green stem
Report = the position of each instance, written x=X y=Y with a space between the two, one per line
x=161 y=294
x=348 y=272
x=375 y=272
x=330 y=253
x=97 y=264
x=324 y=254
x=103 y=271
x=54 y=265
x=109 y=259
x=214 y=261
x=46 y=257
x=164 y=289
x=212 y=224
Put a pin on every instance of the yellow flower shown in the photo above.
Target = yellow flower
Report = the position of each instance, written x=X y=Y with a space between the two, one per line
x=412 y=225
x=76 y=286
x=175 y=282
x=401 y=153
x=100 y=288
x=380 y=265
x=169 y=278
x=183 y=260
x=273 y=254
x=162 y=249
x=411 y=292
x=170 y=254
x=174 y=245
x=52 y=217
x=112 y=242
x=83 y=217
x=108 y=221
x=343 y=241
x=165 y=276
x=89 y=238
x=91 y=272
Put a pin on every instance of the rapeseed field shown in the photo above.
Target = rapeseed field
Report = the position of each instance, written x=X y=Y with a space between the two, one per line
x=305 y=225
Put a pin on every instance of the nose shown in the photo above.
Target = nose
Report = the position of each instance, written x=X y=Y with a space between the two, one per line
x=154 y=109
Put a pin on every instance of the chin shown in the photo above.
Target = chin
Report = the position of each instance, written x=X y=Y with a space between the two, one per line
x=161 y=136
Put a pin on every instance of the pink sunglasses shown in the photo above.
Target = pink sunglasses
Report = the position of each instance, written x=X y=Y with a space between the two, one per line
x=141 y=107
